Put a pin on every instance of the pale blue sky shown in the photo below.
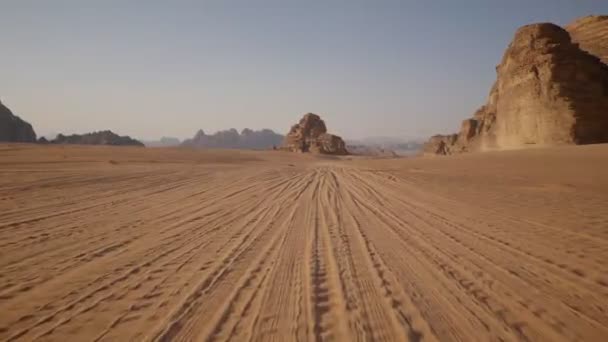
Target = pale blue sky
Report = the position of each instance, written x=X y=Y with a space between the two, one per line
x=167 y=68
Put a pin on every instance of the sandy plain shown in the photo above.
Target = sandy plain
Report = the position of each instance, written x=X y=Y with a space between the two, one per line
x=133 y=244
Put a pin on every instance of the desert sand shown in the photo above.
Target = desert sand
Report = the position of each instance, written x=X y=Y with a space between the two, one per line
x=132 y=244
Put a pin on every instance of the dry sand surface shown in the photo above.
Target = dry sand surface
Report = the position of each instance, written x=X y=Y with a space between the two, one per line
x=132 y=244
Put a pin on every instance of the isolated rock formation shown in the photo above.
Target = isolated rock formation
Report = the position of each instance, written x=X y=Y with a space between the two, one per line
x=548 y=92
x=13 y=128
x=247 y=139
x=97 y=138
x=310 y=135
x=591 y=34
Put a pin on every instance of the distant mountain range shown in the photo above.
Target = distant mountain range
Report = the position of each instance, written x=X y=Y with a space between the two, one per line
x=96 y=138
x=14 y=129
x=231 y=138
x=385 y=146
x=163 y=142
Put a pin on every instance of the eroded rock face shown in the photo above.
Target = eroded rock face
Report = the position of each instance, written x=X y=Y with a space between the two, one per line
x=548 y=92
x=13 y=128
x=310 y=135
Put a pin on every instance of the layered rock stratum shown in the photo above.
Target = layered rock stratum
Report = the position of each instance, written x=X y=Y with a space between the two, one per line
x=97 y=138
x=310 y=135
x=591 y=34
x=232 y=139
x=13 y=128
x=549 y=91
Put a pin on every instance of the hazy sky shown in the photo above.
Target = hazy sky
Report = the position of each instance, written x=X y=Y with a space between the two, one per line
x=167 y=68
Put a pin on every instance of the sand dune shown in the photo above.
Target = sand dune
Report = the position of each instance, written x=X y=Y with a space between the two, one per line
x=128 y=244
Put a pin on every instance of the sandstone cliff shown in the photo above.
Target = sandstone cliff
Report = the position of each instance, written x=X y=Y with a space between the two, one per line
x=310 y=135
x=548 y=91
x=13 y=128
x=97 y=138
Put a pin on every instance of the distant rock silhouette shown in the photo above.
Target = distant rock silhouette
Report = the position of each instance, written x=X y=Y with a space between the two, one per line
x=163 y=142
x=548 y=92
x=97 y=138
x=247 y=139
x=310 y=135
x=13 y=128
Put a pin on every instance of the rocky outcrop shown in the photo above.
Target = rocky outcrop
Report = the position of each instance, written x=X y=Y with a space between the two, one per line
x=591 y=34
x=247 y=139
x=441 y=144
x=310 y=135
x=97 y=138
x=13 y=128
x=548 y=92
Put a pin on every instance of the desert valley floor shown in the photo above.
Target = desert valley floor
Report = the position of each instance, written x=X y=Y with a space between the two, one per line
x=133 y=244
